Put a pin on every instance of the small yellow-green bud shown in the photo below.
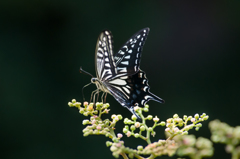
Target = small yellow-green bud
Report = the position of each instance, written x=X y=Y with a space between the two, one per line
x=85 y=113
x=176 y=129
x=205 y=117
x=145 y=109
x=107 y=134
x=73 y=100
x=150 y=129
x=184 y=117
x=125 y=121
x=133 y=127
x=189 y=118
x=140 y=148
x=115 y=140
x=81 y=110
x=70 y=104
x=175 y=116
x=200 y=119
x=125 y=130
x=84 y=122
x=190 y=126
x=142 y=128
x=78 y=104
x=185 y=133
x=134 y=117
x=197 y=128
x=196 y=116
x=136 y=135
x=146 y=106
x=199 y=125
x=129 y=122
x=99 y=127
x=162 y=123
x=149 y=117
x=108 y=143
x=119 y=117
x=130 y=155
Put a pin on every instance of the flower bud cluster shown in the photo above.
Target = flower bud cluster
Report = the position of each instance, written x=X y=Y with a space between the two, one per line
x=132 y=125
x=225 y=134
x=194 y=148
x=174 y=124
x=162 y=147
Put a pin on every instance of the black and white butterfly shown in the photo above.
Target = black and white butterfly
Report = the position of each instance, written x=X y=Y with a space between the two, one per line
x=120 y=75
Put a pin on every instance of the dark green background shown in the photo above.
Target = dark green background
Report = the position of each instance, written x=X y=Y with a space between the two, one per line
x=191 y=59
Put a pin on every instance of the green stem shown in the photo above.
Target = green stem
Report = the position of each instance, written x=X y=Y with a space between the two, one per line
x=124 y=155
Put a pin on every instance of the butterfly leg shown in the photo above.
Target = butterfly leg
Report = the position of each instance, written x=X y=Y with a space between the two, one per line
x=102 y=96
x=105 y=97
x=93 y=92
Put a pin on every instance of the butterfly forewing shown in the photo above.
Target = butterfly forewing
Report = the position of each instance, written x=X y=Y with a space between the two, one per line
x=128 y=57
x=104 y=63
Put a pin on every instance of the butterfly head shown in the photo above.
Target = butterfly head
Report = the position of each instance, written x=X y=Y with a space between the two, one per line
x=94 y=80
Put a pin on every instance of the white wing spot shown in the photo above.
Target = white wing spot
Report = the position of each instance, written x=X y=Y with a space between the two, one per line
x=142 y=102
x=107 y=59
x=104 y=38
x=127 y=57
x=137 y=55
x=132 y=46
x=127 y=90
x=144 y=31
x=106 y=54
x=140 y=75
x=138 y=36
x=118 y=82
x=125 y=62
x=124 y=77
x=107 y=64
x=99 y=54
x=106 y=32
x=121 y=52
x=140 y=43
x=130 y=51
x=130 y=40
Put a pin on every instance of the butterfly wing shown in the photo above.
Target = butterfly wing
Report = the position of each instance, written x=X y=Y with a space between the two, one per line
x=128 y=57
x=132 y=91
x=104 y=63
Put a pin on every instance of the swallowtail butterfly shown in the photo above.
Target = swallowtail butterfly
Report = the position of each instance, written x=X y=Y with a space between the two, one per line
x=120 y=75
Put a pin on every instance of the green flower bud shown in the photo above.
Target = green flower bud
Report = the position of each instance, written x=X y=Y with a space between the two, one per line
x=73 y=100
x=184 y=117
x=81 y=111
x=131 y=155
x=125 y=121
x=146 y=106
x=197 y=128
x=133 y=127
x=185 y=133
x=136 y=135
x=175 y=116
x=150 y=129
x=199 y=125
x=70 y=104
x=115 y=140
x=142 y=128
x=162 y=123
x=108 y=143
x=119 y=117
x=205 y=117
x=140 y=148
x=196 y=116
x=149 y=117
x=84 y=122
x=145 y=109
x=125 y=130
x=134 y=117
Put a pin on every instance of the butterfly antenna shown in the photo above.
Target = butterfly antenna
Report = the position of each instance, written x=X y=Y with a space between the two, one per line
x=82 y=71
x=82 y=90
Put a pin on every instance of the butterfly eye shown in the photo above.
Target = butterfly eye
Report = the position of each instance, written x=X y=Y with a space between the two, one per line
x=93 y=80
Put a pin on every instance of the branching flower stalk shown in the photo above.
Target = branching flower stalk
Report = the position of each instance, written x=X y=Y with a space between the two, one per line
x=98 y=126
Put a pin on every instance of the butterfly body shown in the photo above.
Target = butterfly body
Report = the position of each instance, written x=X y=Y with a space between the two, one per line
x=120 y=75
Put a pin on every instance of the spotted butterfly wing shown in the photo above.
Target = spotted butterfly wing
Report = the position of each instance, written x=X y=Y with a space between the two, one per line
x=120 y=75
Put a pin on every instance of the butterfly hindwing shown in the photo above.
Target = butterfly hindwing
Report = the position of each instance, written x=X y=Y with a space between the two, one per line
x=132 y=90
x=128 y=57
x=104 y=63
